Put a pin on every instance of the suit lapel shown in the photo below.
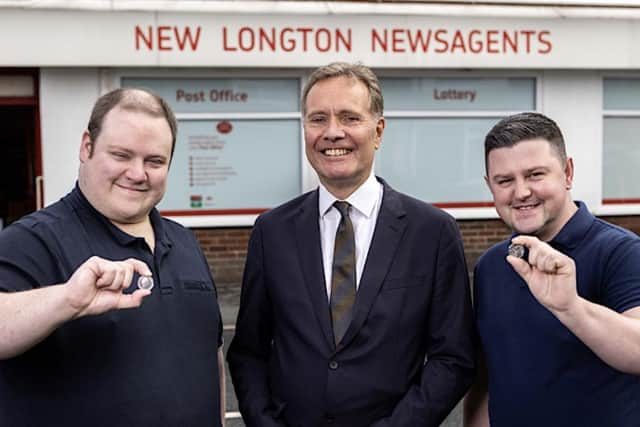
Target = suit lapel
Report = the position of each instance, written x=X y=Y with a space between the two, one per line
x=310 y=256
x=386 y=238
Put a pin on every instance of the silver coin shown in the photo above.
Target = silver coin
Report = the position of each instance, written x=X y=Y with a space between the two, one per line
x=518 y=251
x=145 y=282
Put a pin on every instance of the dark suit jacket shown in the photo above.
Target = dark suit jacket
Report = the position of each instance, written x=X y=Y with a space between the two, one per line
x=412 y=305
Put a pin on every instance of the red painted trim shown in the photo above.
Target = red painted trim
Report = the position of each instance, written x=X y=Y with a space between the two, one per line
x=620 y=201
x=37 y=135
x=18 y=100
x=203 y=212
x=18 y=71
x=34 y=73
x=464 y=204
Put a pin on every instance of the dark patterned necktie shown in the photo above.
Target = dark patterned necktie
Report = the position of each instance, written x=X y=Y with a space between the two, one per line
x=343 y=276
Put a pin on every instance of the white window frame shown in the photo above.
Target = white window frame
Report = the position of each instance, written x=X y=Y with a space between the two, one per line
x=616 y=208
x=111 y=79
x=478 y=212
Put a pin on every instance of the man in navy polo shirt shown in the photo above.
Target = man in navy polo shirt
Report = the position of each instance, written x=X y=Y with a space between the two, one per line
x=70 y=352
x=560 y=329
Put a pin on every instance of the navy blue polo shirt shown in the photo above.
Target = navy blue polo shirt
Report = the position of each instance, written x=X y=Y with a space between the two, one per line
x=155 y=365
x=540 y=374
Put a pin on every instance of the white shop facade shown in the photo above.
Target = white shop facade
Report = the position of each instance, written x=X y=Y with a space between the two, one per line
x=233 y=73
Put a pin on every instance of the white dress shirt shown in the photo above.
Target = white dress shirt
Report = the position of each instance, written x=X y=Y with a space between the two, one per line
x=365 y=202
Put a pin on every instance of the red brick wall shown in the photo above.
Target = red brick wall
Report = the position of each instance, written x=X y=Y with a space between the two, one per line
x=478 y=235
x=226 y=248
x=629 y=222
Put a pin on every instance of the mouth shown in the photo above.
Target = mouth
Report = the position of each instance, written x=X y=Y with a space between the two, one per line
x=525 y=206
x=133 y=189
x=336 y=152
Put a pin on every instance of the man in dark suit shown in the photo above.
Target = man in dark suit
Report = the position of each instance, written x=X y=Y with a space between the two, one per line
x=355 y=307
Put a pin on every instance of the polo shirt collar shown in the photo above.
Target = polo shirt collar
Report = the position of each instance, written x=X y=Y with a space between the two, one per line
x=158 y=228
x=80 y=202
x=363 y=199
x=575 y=229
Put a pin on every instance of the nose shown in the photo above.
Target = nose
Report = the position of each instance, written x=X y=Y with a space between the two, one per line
x=522 y=190
x=334 y=131
x=136 y=171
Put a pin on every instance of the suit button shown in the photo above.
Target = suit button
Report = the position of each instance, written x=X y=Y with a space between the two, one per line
x=333 y=365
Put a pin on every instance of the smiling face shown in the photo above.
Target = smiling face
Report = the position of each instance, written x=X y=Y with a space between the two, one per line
x=341 y=133
x=123 y=174
x=530 y=186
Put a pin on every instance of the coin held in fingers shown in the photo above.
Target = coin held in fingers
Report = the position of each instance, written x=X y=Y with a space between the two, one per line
x=145 y=282
x=519 y=251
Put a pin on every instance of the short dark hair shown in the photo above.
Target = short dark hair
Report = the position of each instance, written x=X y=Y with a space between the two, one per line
x=521 y=127
x=130 y=99
x=356 y=71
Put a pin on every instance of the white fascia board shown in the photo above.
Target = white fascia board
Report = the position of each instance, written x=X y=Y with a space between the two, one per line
x=629 y=9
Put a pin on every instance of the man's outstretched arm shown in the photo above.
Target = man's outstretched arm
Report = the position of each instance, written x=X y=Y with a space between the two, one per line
x=27 y=317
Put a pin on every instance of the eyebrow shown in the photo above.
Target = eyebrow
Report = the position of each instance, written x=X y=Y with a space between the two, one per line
x=130 y=151
x=526 y=172
x=500 y=176
x=535 y=168
x=339 y=113
x=119 y=147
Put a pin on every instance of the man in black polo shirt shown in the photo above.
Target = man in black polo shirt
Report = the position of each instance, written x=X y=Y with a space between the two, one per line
x=70 y=354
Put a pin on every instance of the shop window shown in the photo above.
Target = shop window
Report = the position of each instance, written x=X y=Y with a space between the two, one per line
x=621 y=145
x=238 y=144
x=433 y=147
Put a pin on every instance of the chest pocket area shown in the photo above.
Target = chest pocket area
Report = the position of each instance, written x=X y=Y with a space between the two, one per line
x=403 y=282
x=197 y=286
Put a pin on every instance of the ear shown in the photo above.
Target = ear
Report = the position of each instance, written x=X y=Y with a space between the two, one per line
x=85 y=147
x=568 y=173
x=488 y=182
x=380 y=124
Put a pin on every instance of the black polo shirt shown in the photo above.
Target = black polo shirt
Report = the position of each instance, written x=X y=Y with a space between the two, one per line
x=155 y=365
x=541 y=374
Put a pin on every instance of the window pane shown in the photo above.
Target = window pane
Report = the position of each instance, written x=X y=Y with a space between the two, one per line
x=234 y=164
x=621 y=94
x=436 y=159
x=224 y=95
x=621 y=158
x=237 y=163
x=484 y=94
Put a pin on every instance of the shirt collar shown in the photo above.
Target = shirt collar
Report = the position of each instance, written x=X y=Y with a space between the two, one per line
x=364 y=199
x=80 y=202
x=572 y=233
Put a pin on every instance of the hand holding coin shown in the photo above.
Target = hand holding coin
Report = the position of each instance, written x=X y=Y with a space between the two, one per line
x=519 y=251
x=549 y=273
x=100 y=285
x=145 y=282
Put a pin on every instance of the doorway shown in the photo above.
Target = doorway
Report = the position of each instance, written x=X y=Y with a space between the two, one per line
x=19 y=141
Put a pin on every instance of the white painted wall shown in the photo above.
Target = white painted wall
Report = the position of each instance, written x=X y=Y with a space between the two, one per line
x=571 y=97
x=66 y=98
x=574 y=100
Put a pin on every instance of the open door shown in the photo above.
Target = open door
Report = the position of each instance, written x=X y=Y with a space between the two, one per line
x=20 y=162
